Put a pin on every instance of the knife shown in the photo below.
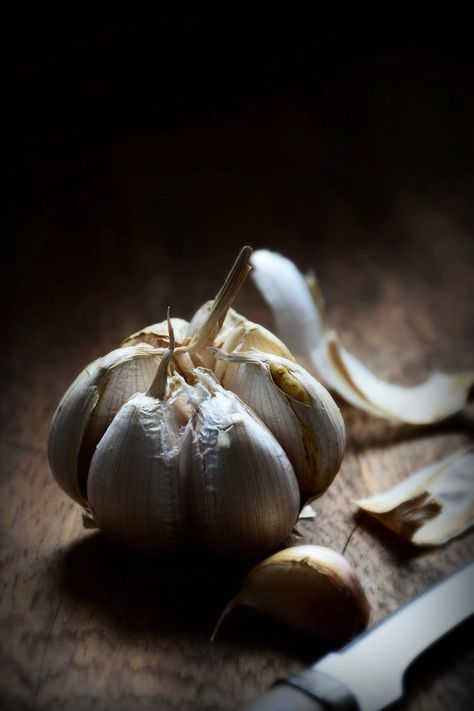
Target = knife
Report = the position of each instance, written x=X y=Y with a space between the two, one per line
x=367 y=674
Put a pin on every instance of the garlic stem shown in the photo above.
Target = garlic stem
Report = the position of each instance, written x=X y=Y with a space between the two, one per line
x=223 y=301
x=157 y=387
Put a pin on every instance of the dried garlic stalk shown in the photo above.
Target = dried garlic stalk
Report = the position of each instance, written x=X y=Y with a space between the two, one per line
x=298 y=311
x=432 y=505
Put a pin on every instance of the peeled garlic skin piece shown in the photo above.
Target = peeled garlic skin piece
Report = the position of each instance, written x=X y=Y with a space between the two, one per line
x=432 y=505
x=134 y=485
x=298 y=410
x=311 y=589
x=242 y=488
x=88 y=407
x=300 y=319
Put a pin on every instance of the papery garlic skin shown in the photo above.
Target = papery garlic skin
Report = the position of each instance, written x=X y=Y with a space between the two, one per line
x=311 y=589
x=244 y=492
x=134 y=488
x=156 y=334
x=88 y=407
x=231 y=320
x=248 y=336
x=298 y=309
x=296 y=408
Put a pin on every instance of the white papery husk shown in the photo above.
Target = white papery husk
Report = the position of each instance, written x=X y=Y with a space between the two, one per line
x=298 y=310
x=89 y=406
x=195 y=470
x=296 y=408
x=432 y=505
x=311 y=589
x=156 y=334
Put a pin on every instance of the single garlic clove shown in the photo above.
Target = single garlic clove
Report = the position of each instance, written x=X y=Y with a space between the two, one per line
x=134 y=487
x=296 y=408
x=311 y=589
x=242 y=489
x=156 y=335
x=88 y=407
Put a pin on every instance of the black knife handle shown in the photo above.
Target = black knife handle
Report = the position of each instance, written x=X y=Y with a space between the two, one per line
x=310 y=690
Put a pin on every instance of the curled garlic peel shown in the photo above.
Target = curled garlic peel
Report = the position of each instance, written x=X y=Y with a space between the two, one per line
x=311 y=589
x=298 y=310
x=432 y=505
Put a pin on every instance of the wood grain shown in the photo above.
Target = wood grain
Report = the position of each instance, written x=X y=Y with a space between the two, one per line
x=379 y=203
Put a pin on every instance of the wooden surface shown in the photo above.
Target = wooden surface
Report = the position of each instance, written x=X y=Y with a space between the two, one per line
x=365 y=176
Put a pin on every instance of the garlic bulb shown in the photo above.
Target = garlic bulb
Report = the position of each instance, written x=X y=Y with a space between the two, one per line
x=296 y=408
x=169 y=449
x=309 y=588
x=87 y=409
x=191 y=468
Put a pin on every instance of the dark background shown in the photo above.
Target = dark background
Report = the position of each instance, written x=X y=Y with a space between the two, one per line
x=360 y=109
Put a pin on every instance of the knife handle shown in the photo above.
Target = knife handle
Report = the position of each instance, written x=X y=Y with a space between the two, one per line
x=310 y=690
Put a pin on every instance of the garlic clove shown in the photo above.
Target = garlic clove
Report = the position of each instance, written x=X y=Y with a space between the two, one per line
x=311 y=589
x=134 y=484
x=296 y=408
x=241 y=486
x=157 y=334
x=248 y=336
x=88 y=407
x=134 y=488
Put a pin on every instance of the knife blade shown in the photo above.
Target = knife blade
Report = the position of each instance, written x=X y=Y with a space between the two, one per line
x=368 y=673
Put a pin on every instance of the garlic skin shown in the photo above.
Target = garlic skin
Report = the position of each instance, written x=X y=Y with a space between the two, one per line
x=88 y=407
x=194 y=470
x=298 y=309
x=296 y=408
x=244 y=337
x=311 y=589
x=156 y=335
x=231 y=320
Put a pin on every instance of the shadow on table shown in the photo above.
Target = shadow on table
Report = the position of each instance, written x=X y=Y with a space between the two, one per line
x=179 y=598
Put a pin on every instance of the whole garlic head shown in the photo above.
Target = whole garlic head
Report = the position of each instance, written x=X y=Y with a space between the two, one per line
x=170 y=445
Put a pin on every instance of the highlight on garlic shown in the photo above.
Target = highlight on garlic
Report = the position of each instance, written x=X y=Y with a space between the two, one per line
x=431 y=506
x=166 y=449
x=311 y=589
x=298 y=310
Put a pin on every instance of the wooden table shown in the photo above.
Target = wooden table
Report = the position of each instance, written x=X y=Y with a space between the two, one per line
x=365 y=176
